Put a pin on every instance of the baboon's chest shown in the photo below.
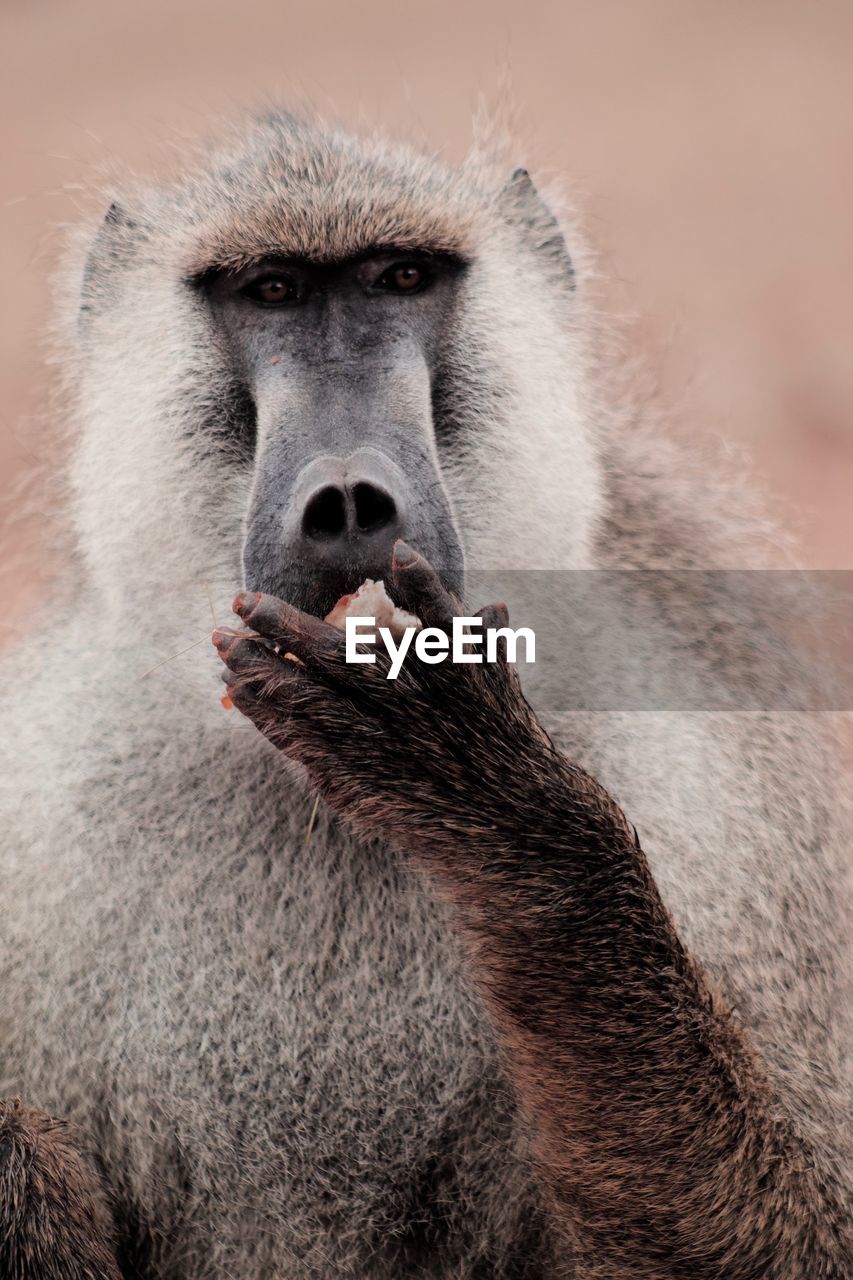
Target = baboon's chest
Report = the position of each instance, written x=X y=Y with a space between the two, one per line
x=321 y=1060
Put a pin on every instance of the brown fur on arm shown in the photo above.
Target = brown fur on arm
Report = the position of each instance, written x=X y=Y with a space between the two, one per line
x=657 y=1133
x=54 y=1221
x=655 y=1126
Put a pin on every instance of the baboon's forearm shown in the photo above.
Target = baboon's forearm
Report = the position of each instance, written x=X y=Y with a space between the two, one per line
x=651 y=1115
x=54 y=1219
x=652 y=1118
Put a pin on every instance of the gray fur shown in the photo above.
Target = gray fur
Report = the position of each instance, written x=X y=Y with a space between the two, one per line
x=275 y=1048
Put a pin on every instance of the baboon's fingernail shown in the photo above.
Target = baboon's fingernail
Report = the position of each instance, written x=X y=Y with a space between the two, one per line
x=220 y=640
x=245 y=603
x=404 y=555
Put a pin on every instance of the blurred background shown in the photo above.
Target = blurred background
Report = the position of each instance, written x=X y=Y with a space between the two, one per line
x=709 y=144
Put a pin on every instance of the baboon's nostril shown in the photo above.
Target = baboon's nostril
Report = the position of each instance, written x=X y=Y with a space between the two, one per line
x=374 y=508
x=325 y=516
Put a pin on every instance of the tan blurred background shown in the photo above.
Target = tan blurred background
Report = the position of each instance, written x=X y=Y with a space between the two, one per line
x=710 y=143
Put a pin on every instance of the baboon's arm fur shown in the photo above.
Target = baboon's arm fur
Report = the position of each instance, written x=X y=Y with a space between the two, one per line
x=654 y=1124
x=55 y=1222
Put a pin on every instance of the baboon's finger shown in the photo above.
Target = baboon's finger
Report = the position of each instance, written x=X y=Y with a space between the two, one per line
x=239 y=649
x=312 y=641
x=418 y=588
x=493 y=615
x=251 y=659
x=300 y=717
x=266 y=716
x=271 y=686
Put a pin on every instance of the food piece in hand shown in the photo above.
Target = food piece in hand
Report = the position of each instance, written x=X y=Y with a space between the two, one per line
x=371 y=600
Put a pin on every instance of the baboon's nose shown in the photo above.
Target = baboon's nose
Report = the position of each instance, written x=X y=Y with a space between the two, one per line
x=351 y=513
x=318 y=536
x=348 y=514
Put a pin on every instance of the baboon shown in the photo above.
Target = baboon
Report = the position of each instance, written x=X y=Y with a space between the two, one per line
x=542 y=990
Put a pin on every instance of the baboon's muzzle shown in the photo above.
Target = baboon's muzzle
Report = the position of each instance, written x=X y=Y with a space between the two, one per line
x=348 y=467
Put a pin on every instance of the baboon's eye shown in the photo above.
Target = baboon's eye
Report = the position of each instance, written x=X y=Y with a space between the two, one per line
x=274 y=289
x=403 y=277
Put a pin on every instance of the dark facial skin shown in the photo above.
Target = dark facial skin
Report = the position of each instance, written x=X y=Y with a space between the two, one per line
x=340 y=361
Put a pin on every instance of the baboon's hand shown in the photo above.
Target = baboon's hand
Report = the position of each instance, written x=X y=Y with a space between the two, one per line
x=430 y=754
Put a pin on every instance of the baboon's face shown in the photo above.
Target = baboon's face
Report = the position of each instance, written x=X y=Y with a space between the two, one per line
x=296 y=353
x=340 y=362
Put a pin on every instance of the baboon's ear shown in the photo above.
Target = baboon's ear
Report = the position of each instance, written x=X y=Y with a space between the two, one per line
x=525 y=208
x=113 y=245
